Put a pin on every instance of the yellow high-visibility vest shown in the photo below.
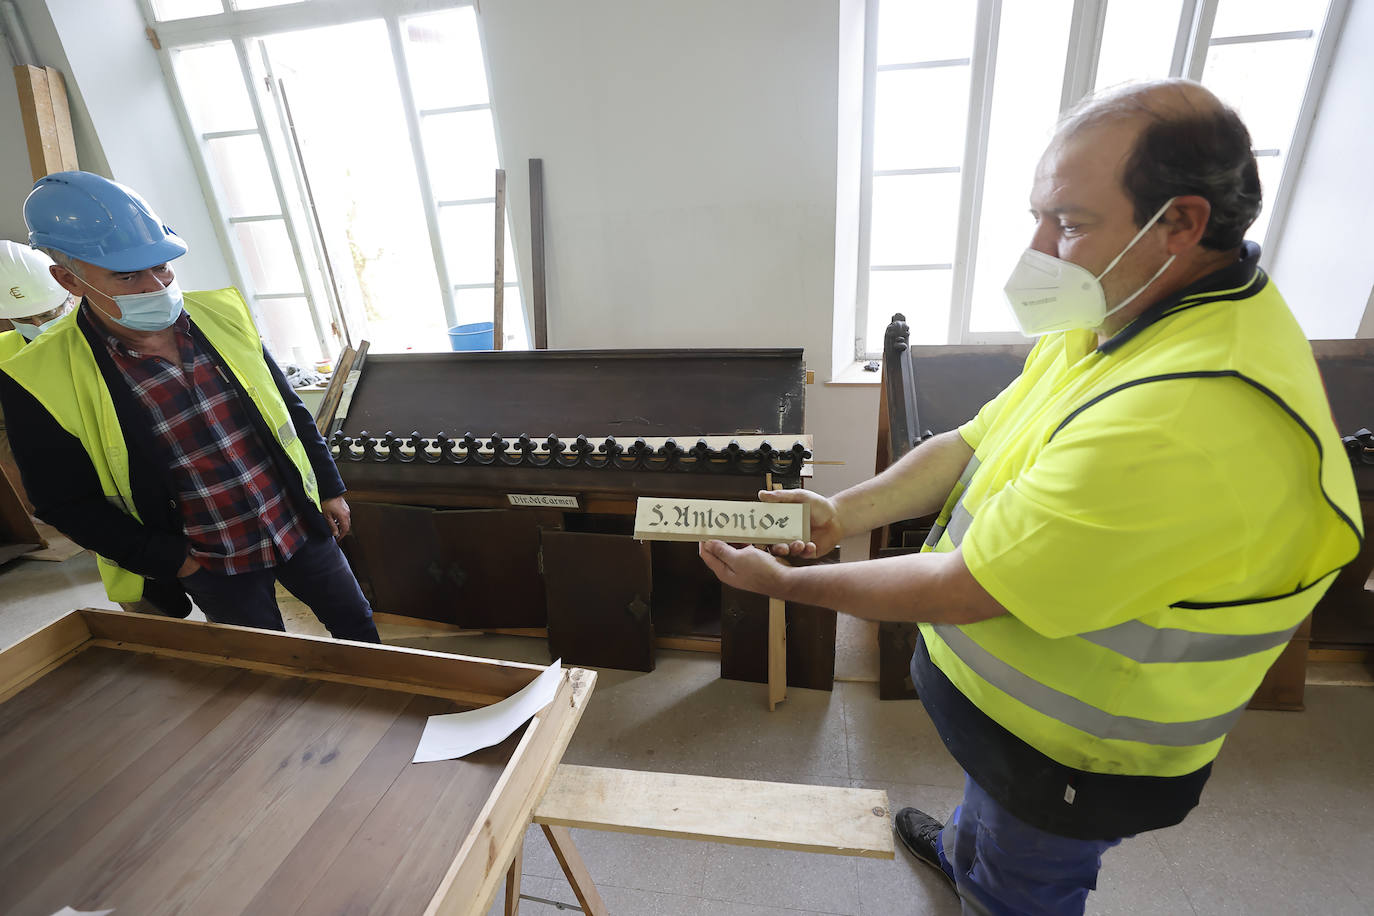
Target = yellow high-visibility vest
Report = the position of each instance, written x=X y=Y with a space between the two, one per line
x=1155 y=692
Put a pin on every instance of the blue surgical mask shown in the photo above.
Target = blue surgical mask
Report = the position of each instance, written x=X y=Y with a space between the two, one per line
x=147 y=312
x=31 y=331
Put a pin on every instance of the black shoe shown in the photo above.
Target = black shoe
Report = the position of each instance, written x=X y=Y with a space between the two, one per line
x=918 y=832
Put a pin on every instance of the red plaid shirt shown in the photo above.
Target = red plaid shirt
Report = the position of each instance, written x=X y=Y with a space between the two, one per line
x=233 y=511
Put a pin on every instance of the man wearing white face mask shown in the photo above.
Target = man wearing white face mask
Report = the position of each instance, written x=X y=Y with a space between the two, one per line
x=155 y=430
x=30 y=297
x=1113 y=570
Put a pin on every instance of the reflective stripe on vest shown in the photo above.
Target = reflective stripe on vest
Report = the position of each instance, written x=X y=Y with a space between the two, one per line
x=1136 y=639
x=1075 y=712
x=943 y=522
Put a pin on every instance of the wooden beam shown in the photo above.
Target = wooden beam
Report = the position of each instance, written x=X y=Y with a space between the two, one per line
x=560 y=838
x=47 y=120
x=38 y=653
x=517 y=864
x=498 y=309
x=540 y=303
x=744 y=812
x=777 y=652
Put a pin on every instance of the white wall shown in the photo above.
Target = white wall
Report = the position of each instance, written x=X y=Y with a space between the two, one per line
x=1323 y=266
x=122 y=118
x=690 y=173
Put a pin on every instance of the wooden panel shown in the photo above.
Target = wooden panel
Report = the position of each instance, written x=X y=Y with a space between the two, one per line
x=624 y=393
x=490 y=564
x=401 y=560
x=17 y=531
x=744 y=639
x=455 y=677
x=686 y=596
x=744 y=812
x=599 y=588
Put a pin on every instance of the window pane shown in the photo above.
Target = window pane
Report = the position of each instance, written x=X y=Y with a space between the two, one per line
x=347 y=108
x=1031 y=49
x=212 y=84
x=240 y=166
x=289 y=332
x=165 y=10
x=475 y=304
x=921 y=295
x=1270 y=171
x=1264 y=81
x=917 y=30
x=270 y=258
x=1137 y=41
x=914 y=219
x=444 y=56
x=460 y=150
x=1256 y=17
x=259 y=4
x=468 y=233
x=517 y=333
x=919 y=118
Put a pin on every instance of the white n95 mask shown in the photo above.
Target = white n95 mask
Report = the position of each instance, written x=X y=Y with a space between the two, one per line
x=1049 y=294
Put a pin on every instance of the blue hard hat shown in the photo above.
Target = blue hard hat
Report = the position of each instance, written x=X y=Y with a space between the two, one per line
x=99 y=221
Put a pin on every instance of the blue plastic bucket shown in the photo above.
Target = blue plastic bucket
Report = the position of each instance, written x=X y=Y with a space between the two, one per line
x=476 y=336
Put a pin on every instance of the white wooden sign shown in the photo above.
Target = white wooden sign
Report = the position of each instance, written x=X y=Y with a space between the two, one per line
x=543 y=499
x=737 y=521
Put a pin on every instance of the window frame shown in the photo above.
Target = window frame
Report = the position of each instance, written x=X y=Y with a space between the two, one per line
x=1193 y=38
x=241 y=28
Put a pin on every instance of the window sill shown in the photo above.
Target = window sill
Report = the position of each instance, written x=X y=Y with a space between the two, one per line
x=855 y=376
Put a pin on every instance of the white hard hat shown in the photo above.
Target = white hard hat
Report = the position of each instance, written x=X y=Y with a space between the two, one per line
x=26 y=286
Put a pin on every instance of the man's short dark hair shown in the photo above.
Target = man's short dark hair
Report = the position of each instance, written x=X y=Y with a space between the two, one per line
x=1186 y=146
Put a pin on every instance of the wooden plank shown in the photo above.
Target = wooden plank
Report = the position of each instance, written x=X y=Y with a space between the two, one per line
x=663 y=518
x=64 y=832
x=329 y=403
x=16 y=526
x=27 y=658
x=743 y=812
x=477 y=871
x=59 y=546
x=40 y=120
x=291 y=883
x=62 y=121
x=579 y=877
x=498 y=310
x=777 y=652
x=139 y=834
x=457 y=677
x=538 y=295
x=513 y=875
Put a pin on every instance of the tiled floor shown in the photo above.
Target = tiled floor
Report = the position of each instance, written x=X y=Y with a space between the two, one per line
x=1286 y=825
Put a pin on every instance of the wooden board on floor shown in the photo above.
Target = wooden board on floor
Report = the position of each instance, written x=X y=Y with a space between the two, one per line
x=175 y=764
x=744 y=812
x=59 y=546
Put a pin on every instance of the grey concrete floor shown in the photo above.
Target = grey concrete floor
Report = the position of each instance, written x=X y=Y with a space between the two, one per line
x=1286 y=824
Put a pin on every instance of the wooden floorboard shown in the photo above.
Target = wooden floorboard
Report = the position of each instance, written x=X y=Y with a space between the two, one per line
x=159 y=785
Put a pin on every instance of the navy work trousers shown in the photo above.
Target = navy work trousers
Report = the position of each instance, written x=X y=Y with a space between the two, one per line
x=1002 y=865
x=317 y=574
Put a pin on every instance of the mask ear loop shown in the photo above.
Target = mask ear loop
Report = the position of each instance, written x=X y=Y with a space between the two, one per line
x=1149 y=224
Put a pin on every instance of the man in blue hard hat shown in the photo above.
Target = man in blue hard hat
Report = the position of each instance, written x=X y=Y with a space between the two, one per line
x=154 y=429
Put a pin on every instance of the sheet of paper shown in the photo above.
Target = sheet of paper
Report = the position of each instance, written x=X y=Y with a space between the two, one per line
x=68 y=911
x=457 y=734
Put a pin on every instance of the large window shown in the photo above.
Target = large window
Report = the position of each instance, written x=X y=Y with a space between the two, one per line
x=963 y=96
x=349 y=155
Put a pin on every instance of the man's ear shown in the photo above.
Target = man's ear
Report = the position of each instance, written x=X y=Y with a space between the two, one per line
x=67 y=280
x=1186 y=219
